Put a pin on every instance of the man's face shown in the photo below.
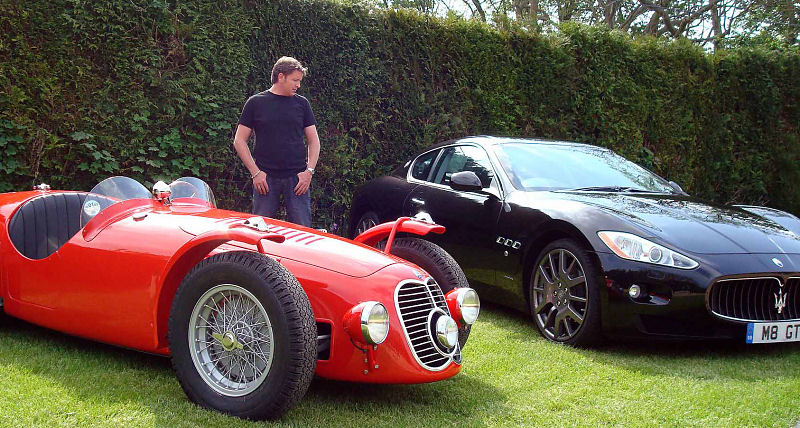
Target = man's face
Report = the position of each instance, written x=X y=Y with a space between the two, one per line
x=290 y=83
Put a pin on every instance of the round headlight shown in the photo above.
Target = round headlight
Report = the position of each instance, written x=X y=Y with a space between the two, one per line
x=374 y=323
x=447 y=331
x=469 y=304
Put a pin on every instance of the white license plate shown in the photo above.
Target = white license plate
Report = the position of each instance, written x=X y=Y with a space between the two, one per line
x=773 y=332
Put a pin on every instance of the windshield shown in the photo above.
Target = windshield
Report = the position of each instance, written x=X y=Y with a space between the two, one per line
x=114 y=190
x=192 y=188
x=574 y=167
x=108 y=192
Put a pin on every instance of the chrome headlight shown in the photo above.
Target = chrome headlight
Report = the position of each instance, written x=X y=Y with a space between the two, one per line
x=447 y=331
x=374 y=322
x=464 y=304
x=632 y=247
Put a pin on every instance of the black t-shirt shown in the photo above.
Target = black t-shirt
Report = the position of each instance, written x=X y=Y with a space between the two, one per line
x=279 y=123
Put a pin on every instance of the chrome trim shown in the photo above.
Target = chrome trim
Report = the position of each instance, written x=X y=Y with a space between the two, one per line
x=442 y=336
x=776 y=277
x=460 y=295
x=162 y=192
x=366 y=312
x=435 y=305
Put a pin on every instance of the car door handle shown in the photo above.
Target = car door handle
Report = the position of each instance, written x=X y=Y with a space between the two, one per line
x=417 y=201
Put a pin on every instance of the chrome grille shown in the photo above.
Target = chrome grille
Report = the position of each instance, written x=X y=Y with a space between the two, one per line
x=756 y=299
x=415 y=302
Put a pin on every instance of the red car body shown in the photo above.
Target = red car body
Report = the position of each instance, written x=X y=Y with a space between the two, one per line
x=114 y=280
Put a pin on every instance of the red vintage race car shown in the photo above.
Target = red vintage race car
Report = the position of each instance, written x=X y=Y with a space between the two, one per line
x=248 y=308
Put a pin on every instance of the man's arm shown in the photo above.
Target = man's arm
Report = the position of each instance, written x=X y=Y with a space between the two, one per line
x=304 y=178
x=240 y=144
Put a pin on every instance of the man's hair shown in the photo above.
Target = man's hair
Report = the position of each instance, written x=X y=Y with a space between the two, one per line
x=287 y=65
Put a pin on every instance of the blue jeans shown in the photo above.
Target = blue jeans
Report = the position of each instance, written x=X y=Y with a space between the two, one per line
x=298 y=208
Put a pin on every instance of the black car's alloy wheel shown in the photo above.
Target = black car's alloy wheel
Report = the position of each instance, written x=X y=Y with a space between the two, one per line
x=367 y=220
x=563 y=294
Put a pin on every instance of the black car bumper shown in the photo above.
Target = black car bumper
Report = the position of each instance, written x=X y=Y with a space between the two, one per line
x=674 y=302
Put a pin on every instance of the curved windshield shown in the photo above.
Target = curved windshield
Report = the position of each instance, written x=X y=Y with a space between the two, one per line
x=192 y=188
x=108 y=192
x=541 y=166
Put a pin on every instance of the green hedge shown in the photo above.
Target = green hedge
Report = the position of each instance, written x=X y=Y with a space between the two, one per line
x=153 y=90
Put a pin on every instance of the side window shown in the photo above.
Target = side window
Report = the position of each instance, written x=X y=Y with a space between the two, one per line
x=464 y=158
x=422 y=166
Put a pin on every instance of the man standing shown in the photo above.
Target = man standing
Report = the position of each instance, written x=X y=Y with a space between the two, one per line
x=280 y=163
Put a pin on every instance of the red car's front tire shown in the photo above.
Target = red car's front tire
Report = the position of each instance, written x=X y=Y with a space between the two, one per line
x=242 y=336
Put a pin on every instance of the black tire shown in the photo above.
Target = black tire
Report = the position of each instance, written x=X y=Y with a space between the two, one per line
x=437 y=262
x=566 y=306
x=242 y=336
x=365 y=221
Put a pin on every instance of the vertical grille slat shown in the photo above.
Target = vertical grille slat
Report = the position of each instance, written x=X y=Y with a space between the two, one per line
x=754 y=299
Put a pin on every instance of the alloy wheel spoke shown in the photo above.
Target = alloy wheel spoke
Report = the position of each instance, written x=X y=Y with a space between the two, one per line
x=578 y=299
x=541 y=306
x=551 y=316
x=570 y=313
x=573 y=282
x=567 y=327
x=562 y=263
x=545 y=275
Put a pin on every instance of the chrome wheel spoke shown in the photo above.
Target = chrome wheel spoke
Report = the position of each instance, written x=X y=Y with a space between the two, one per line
x=231 y=340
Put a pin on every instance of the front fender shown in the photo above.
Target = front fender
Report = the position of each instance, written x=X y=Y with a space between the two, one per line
x=191 y=253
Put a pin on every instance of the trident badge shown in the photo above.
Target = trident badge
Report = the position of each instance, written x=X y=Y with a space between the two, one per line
x=780 y=300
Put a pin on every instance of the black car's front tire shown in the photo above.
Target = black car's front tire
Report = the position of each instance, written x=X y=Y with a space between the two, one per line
x=437 y=262
x=242 y=336
x=564 y=294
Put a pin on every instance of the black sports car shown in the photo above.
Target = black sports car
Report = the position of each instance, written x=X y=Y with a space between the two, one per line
x=594 y=245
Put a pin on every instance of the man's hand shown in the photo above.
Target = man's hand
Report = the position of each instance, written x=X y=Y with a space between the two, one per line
x=260 y=183
x=303 y=181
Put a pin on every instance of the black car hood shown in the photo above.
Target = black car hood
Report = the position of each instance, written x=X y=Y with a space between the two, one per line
x=695 y=226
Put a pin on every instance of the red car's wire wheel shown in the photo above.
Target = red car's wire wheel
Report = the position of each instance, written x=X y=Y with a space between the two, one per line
x=231 y=340
x=559 y=295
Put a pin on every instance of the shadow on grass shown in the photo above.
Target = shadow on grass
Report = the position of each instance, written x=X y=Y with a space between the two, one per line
x=91 y=372
x=688 y=358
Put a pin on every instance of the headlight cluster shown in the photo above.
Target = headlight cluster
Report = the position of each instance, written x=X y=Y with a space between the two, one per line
x=632 y=247
x=368 y=322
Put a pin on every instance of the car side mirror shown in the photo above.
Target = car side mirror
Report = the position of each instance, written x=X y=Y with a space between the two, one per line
x=466 y=181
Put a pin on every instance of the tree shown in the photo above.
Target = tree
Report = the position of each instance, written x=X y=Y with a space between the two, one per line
x=706 y=22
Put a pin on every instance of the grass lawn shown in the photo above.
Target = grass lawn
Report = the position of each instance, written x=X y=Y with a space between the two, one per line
x=511 y=377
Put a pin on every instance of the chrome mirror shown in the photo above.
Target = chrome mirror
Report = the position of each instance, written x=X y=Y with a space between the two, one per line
x=162 y=192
